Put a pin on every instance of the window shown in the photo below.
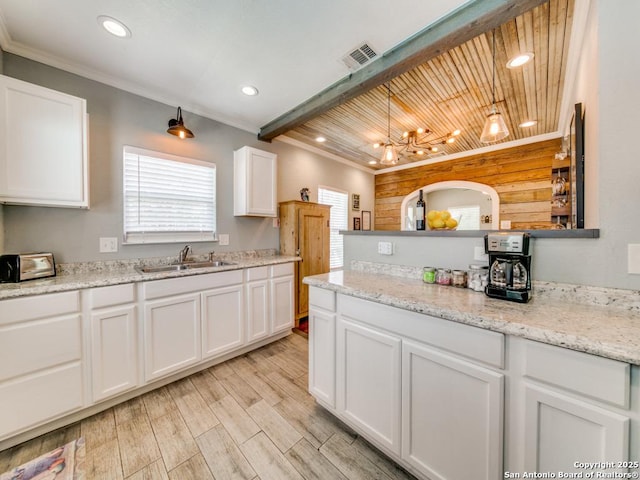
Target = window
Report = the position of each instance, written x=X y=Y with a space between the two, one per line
x=339 y=202
x=469 y=216
x=167 y=198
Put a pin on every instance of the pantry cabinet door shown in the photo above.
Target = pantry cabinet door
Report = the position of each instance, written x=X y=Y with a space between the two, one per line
x=368 y=381
x=560 y=430
x=452 y=413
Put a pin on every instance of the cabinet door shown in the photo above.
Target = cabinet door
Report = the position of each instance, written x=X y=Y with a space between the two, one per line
x=114 y=353
x=43 y=159
x=322 y=356
x=560 y=430
x=172 y=335
x=281 y=304
x=368 y=381
x=257 y=310
x=313 y=244
x=222 y=320
x=255 y=182
x=452 y=414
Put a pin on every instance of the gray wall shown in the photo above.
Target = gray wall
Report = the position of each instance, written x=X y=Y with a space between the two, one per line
x=607 y=87
x=118 y=118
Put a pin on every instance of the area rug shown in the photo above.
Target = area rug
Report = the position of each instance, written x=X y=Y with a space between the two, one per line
x=63 y=463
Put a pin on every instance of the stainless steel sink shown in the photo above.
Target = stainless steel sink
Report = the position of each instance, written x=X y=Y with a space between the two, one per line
x=183 y=266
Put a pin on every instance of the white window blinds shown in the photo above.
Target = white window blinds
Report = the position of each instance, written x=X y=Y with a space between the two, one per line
x=469 y=216
x=167 y=198
x=339 y=221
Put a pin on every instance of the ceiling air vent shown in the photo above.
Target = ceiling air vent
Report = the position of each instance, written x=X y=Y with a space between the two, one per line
x=359 y=56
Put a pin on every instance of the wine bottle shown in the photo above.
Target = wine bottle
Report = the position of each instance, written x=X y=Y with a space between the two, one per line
x=420 y=213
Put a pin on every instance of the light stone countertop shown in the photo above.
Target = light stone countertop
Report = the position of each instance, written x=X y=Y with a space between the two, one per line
x=97 y=274
x=606 y=331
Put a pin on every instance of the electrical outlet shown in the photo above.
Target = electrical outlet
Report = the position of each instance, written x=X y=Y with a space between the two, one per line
x=385 y=248
x=223 y=239
x=108 y=244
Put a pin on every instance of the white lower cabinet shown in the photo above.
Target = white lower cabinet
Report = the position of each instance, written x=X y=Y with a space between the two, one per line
x=222 y=320
x=281 y=287
x=322 y=355
x=452 y=414
x=368 y=381
x=257 y=300
x=114 y=351
x=41 y=373
x=560 y=430
x=172 y=335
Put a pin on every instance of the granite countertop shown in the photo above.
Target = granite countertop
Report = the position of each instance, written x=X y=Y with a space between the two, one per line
x=604 y=330
x=102 y=274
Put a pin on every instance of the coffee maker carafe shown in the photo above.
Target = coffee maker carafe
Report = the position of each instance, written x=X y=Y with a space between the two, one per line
x=509 y=266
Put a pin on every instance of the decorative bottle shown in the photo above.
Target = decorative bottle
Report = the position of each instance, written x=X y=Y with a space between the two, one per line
x=420 y=223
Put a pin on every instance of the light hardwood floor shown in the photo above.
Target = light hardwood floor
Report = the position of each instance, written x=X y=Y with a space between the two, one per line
x=248 y=418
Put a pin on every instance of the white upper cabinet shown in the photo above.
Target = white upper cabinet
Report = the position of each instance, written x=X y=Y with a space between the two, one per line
x=43 y=146
x=254 y=178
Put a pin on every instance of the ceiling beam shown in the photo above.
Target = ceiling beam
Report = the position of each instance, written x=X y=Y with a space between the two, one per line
x=461 y=25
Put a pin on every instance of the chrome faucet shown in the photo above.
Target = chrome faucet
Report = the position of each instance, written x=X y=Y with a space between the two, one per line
x=211 y=254
x=184 y=253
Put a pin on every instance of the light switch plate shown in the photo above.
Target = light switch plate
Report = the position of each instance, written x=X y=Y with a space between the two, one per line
x=633 y=258
x=223 y=239
x=505 y=224
x=108 y=244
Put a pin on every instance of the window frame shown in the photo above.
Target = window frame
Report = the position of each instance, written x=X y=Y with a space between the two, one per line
x=145 y=238
x=345 y=227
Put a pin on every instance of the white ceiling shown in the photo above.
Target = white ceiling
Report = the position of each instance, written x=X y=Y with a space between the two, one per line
x=198 y=53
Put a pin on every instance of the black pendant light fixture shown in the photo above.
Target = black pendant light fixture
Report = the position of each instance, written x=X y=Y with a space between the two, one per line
x=177 y=128
x=495 y=127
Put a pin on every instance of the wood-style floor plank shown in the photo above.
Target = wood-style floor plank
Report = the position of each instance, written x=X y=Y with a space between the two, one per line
x=208 y=386
x=138 y=447
x=267 y=460
x=103 y=460
x=244 y=394
x=235 y=420
x=99 y=428
x=194 y=410
x=346 y=458
x=193 y=469
x=158 y=402
x=279 y=431
x=222 y=455
x=311 y=463
x=174 y=439
x=153 y=471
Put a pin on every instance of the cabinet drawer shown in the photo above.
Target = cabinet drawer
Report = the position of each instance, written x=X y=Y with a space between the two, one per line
x=30 y=346
x=282 y=270
x=319 y=297
x=176 y=286
x=32 y=308
x=472 y=342
x=599 y=378
x=39 y=398
x=257 y=273
x=113 y=295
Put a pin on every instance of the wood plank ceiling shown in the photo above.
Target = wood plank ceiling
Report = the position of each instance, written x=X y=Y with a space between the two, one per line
x=454 y=91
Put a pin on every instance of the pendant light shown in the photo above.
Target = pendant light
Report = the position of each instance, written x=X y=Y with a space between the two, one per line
x=177 y=128
x=495 y=127
x=389 y=155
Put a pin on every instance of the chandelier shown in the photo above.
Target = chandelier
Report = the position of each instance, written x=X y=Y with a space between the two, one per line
x=418 y=142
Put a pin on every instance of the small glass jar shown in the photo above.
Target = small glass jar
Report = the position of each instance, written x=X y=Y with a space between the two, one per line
x=443 y=276
x=459 y=278
x=477 y=277
x=429 y=275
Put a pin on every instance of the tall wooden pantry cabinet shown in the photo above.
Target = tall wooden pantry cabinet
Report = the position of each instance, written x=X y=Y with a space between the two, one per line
x=304 y=231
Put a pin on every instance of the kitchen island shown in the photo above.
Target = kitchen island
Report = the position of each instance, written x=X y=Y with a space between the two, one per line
x=453 y=384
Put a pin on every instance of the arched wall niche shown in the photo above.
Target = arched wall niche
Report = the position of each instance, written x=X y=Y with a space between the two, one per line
x=410 y=199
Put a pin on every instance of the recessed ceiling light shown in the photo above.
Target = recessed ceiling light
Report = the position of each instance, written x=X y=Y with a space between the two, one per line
x=456 y=132
x=528 y=123
x=250 y=90
x=321 y=139
x=372 y=162
x=519 y=60
x=114 y=27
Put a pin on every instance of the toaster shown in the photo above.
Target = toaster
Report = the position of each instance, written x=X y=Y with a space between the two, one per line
x=26 y=266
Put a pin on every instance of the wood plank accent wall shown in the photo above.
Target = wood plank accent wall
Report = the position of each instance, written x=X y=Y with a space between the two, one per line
x=520 y=175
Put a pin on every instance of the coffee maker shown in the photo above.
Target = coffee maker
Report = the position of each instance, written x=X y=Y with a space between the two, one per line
x=509 y=266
